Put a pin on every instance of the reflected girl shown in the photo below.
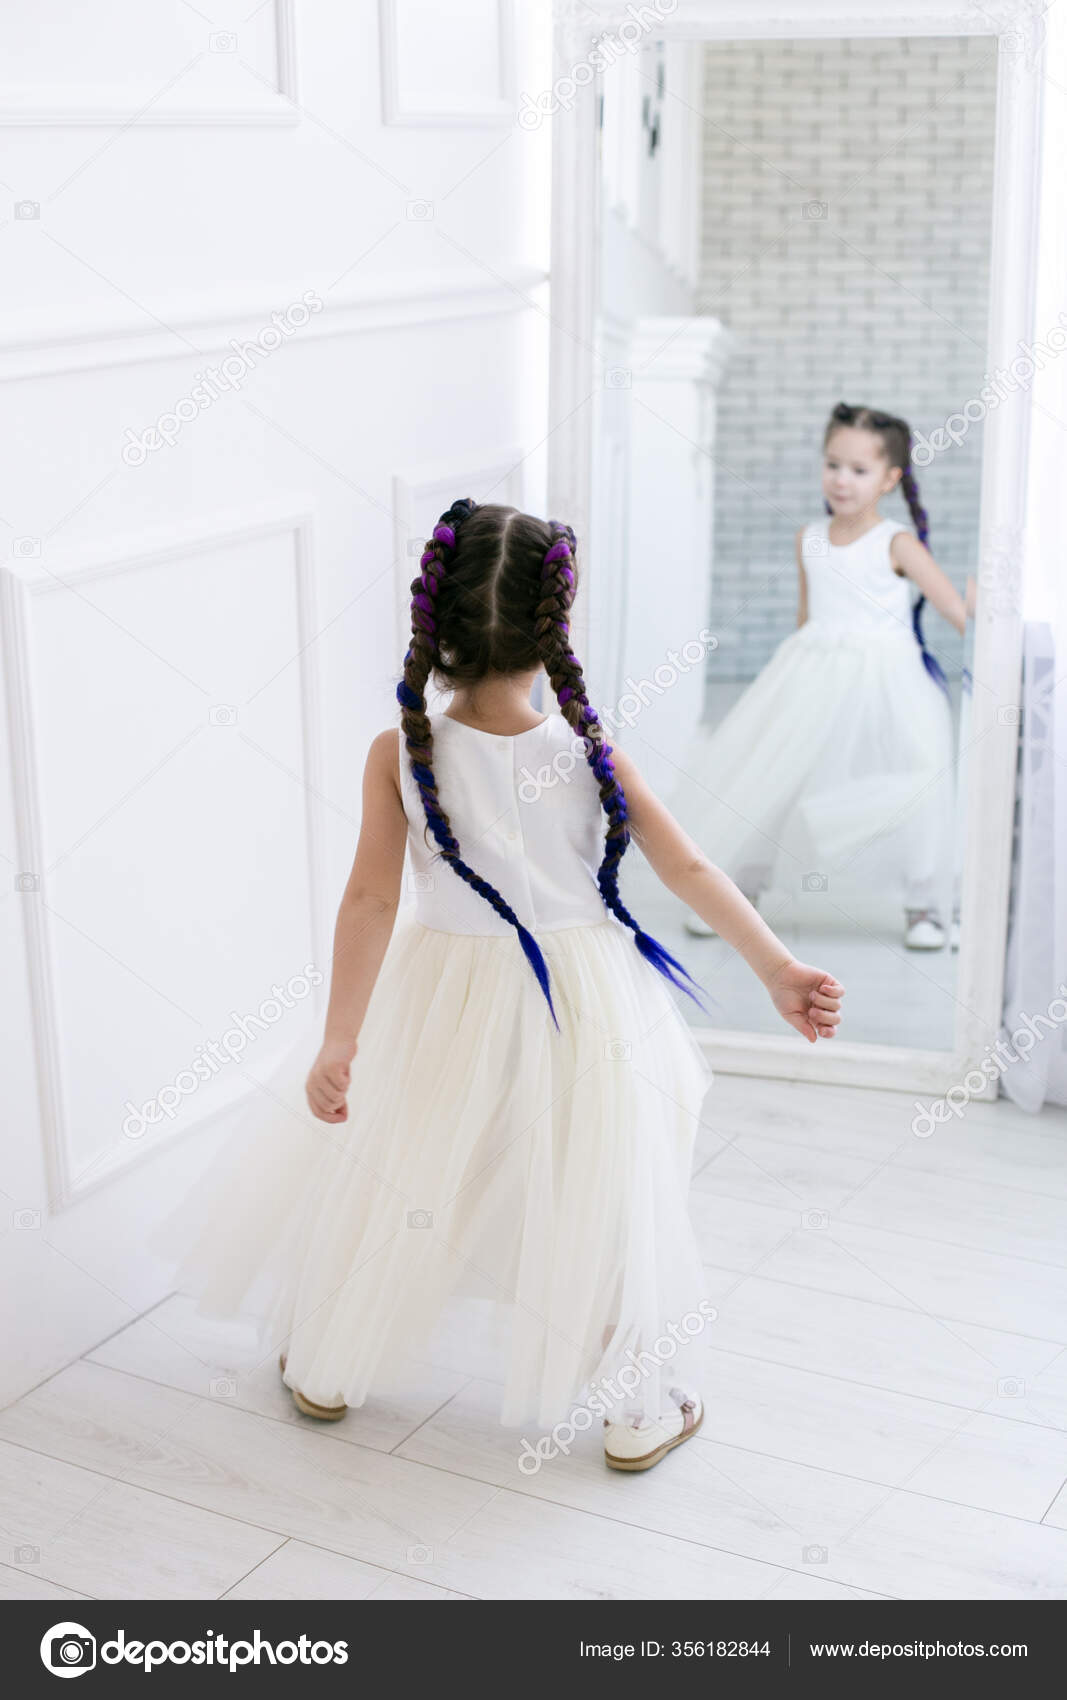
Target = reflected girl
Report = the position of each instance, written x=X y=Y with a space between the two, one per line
x=839 y=755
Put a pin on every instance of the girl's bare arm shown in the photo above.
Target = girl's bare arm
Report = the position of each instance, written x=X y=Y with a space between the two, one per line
x=364 y=926
x=807 y=998
x=915 y=561
x=802 y=585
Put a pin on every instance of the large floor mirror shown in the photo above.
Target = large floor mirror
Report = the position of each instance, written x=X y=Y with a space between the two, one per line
x=791 y=343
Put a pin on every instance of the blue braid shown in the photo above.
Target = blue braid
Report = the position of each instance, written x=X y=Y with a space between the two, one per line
x=565 y=673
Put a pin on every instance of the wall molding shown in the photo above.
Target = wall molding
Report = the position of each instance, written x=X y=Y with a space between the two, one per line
x=113 y=108
x=58 y=343
x=465 y=114
x=21 y=586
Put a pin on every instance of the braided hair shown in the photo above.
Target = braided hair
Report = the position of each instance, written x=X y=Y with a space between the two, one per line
x=493 y=595
x=895 y=437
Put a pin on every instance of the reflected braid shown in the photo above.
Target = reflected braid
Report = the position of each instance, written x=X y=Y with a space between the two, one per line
x=910 y=490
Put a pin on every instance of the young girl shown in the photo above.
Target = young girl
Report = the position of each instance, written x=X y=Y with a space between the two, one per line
x=513 y=1091
x=839 y=755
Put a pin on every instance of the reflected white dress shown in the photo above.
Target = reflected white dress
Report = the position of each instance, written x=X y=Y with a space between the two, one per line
x=838 y=758
x=495 y=1176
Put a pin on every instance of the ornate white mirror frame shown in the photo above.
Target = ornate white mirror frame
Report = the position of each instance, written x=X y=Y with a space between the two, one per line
x=1018 y=29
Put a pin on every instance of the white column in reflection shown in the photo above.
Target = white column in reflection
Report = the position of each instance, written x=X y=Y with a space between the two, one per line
x=676 y=366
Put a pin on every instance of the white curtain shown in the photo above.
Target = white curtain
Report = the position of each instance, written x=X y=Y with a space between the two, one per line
x=1035 y=988
x=1036 y=966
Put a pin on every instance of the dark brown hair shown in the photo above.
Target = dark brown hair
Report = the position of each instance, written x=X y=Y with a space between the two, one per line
x=493 y=596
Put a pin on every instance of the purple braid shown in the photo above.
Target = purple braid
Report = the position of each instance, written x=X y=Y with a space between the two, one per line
x=910 y=491
x=564 y=670
x=422 y=653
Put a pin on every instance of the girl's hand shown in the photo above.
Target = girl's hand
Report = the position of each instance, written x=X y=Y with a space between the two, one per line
x=328 y=1081
x=807 y=998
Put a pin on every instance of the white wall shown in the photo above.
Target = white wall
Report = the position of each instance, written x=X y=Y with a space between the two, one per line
x=200 y=639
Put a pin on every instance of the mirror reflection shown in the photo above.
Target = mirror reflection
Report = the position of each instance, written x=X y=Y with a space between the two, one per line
x=787 y=467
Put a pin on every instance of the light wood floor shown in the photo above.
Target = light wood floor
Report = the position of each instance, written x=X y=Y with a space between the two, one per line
x=886 y=1391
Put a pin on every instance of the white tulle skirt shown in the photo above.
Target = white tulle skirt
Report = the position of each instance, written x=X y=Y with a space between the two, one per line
x=490 y=1167
x=838 y=759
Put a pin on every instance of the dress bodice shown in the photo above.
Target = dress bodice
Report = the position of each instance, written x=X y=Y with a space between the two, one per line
x=525 y=809
x=854 y=584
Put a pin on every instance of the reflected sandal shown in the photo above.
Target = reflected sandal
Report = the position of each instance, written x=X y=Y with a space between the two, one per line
x=639 y=1445
x=325 y=1413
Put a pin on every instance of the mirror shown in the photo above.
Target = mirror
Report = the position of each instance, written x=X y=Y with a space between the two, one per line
x=785 y=226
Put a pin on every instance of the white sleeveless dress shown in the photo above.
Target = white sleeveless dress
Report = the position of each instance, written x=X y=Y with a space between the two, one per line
x=838 y=758
x=494 y=1176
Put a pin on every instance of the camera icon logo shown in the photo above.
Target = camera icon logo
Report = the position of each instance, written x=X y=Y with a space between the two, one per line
x=815 y=1555
x=223 y=1387
x=27 y=209
x=816 y=546
x=68 y=1649
x=816 y=1219
x=818 y=210
x=26 y=1219
x=416 y=545
x=27 y=882
x=420 y=882
x=420 y=1555
x=223 y=41
x=26 y=548
x=1009 y=715
x=815 y=882
x=618 y=1050
x=420 y=211
x=223 y=714
x=618 y=378
x=420 y=1218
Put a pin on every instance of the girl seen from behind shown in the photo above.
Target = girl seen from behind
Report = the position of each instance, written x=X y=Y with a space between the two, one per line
x=506 y=1095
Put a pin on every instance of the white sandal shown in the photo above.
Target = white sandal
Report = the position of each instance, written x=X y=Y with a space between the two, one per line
x=325 y=1413
x=642 y=1442
x=923 y=930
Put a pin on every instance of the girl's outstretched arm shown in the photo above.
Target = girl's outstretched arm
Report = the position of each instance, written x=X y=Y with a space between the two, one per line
x=807 y=998
x=914 y=560
x=364 y=926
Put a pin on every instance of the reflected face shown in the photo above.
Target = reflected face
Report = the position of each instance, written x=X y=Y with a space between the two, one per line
x=855 y=471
